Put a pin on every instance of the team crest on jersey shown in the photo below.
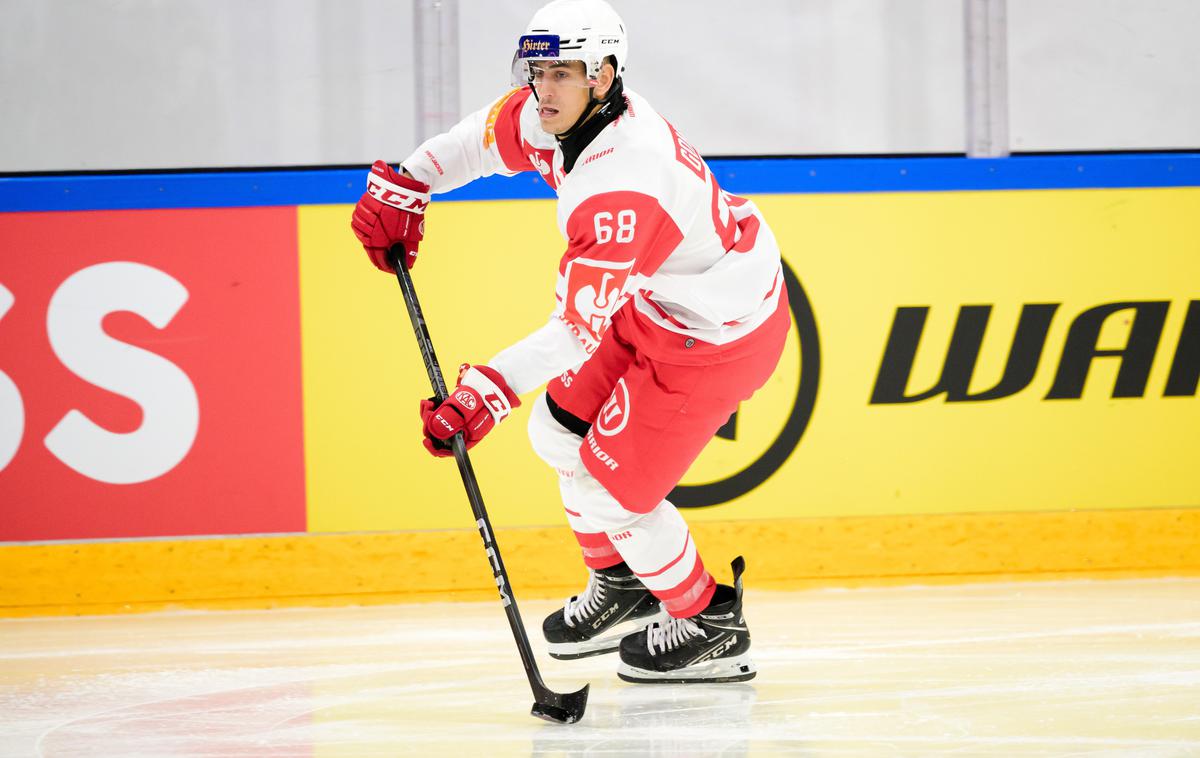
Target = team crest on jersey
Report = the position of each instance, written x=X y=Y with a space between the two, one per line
x=540 y=164
x=543 y=161
x=614 y=414
x=593 y=296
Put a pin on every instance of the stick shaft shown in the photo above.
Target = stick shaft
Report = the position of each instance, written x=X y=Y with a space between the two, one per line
x=470 y=483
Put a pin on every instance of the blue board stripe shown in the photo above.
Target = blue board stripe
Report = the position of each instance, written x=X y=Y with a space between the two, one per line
x=234 y=189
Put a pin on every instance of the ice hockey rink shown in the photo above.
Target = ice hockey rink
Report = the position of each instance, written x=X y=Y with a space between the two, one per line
x=968 y=497
x=1051 y=668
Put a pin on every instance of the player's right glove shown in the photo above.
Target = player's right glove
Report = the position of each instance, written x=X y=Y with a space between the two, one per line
x=481 y=400
x=390 y=212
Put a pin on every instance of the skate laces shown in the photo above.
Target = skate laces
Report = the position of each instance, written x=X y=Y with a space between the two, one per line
x=672 y=634
x=578 y=607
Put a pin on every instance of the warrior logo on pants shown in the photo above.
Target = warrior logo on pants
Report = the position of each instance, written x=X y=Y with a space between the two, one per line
x=614 y=414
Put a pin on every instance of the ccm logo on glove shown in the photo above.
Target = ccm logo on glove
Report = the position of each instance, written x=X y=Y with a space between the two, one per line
x=397 y=196
x=391 y=212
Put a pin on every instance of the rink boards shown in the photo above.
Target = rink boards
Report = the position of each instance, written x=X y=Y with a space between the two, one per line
x=993 y=370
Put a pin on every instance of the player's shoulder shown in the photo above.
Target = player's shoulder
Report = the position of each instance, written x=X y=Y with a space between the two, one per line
x=641 y=133
x=634 y=153
x=515 y=112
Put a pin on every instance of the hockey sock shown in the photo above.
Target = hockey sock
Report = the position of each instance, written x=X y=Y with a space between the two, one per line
x=658 y=547
x=598 y=552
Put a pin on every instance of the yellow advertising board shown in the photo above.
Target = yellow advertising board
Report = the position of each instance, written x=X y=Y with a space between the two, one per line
x=978 y=384
x=951 y=352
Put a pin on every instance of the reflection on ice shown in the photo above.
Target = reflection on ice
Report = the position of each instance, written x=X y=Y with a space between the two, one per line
x=704 y=719
x=1037 y=669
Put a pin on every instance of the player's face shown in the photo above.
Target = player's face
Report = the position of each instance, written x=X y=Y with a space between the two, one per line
x=562 y=89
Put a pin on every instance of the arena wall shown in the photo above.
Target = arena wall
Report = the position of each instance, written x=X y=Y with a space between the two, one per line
x=231 y=83
x=208 y=396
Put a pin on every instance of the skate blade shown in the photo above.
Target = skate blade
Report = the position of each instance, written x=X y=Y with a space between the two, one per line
x=568 y=652
x=737 y=669
x=608 y=643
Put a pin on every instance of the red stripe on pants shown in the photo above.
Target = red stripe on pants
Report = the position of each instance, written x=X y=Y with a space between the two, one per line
x=686 y=541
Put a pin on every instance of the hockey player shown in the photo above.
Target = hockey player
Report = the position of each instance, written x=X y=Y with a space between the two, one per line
x=671 y=309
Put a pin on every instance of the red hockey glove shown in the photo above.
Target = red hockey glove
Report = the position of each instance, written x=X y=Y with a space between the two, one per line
x=390 y=212
x=481 y=400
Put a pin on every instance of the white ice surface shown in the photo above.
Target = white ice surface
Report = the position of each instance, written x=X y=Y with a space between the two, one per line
x=1096 y=669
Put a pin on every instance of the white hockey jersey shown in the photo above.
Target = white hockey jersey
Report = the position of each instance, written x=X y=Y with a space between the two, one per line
x=646 y=224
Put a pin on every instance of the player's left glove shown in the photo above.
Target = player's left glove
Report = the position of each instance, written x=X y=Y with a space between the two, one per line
x=481 y=400
x=390 y=212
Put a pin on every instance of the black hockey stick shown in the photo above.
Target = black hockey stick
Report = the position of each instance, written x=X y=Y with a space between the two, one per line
x=547 y=704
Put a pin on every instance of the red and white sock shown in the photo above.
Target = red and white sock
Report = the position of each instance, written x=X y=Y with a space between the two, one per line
x=658 y=547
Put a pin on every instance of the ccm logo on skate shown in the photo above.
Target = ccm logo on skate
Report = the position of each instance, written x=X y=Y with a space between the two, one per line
x=719 y=650
x=604 y=616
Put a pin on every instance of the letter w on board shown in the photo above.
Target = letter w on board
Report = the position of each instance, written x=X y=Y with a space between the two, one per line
x=1147 y=319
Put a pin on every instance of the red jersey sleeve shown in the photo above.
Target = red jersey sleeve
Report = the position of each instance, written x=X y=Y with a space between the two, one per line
x=503 y=130
x=616 y=240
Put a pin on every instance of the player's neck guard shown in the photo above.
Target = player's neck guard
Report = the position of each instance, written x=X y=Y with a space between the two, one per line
x=582 y=132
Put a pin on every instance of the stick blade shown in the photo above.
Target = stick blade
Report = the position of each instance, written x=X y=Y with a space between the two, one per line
x=561 y=708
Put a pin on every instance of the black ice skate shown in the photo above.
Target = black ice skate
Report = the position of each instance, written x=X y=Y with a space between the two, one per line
x=614 y=604
x=713 y=646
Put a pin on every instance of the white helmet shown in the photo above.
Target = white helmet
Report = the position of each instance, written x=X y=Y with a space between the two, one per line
x=575 y=30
